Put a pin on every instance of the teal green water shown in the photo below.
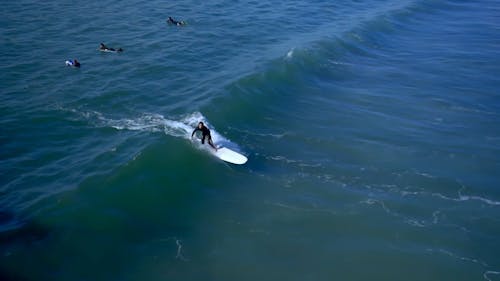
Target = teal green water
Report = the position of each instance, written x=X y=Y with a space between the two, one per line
x=371 y=129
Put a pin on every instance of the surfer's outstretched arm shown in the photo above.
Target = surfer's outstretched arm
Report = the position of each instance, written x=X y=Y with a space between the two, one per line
x=194 y=131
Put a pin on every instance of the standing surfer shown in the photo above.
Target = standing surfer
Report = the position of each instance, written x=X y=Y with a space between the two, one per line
x=205 y=133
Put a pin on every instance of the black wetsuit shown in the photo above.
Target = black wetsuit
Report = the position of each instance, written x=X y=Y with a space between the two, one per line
x=172 y=21
x=105 y=48
x=204 y=132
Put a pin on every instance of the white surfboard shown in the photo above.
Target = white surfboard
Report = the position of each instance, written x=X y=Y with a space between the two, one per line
x=71 y=63
x=224 y=153
x=229 y=155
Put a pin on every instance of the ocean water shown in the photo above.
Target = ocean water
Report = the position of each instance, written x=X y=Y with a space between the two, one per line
x=371 y=127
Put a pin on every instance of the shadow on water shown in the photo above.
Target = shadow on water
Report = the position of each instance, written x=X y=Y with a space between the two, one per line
x=149 y=210
x=27 y=233
x=4 y=276
x=16 y=234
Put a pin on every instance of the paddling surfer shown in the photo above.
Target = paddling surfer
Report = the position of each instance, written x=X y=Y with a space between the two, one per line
x=73 y=63
x=174 y=22
x=103 y=47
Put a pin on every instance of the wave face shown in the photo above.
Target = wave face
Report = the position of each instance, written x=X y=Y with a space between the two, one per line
x=371 y=129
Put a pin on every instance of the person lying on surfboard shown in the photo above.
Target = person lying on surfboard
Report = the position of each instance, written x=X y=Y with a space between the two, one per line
x=103 y=47
x=172 y=21
x=73 y=63
x=205 y=132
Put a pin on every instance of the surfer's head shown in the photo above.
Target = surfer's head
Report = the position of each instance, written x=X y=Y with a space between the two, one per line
x=201 y=125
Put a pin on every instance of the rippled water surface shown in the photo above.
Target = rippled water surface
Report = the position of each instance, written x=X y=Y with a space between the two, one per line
x=371 y=129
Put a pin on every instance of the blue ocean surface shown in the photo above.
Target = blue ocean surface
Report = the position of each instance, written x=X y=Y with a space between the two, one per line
x=371 y=128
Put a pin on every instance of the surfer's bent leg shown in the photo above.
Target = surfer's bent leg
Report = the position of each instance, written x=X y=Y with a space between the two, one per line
x=211 y=143
x=203 y=139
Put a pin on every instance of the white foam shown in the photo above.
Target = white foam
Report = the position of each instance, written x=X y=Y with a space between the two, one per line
x=179 y=251
x=408 y=220
x=281 y=158
x=455 y=256
x=485 y=200
x=179 y=255
x=485 y=275
x=192 y=121
x=435 y=215
x=414 y=222
x=144 y=123
x=463 y=198
x=301 y=209
x=152 y=122
x=460 y=198
x=371 y=201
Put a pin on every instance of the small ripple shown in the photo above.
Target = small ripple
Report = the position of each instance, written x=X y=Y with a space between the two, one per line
x=300 y=209
x=448 y=253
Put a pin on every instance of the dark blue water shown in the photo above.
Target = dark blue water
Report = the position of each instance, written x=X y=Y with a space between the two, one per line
x=371 y=129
